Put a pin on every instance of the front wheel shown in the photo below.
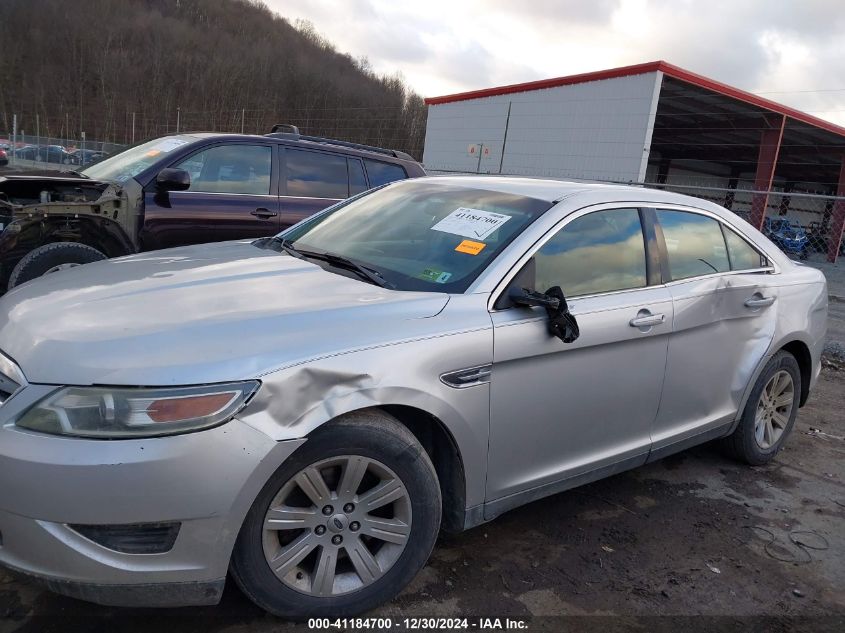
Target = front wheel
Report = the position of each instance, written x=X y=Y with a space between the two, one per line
x=770 y=412
x=51 y=258
x=344 y=524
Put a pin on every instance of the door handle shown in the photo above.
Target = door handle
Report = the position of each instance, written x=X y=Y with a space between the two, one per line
x=263 y=213
x=758 y=301
x=648 y=320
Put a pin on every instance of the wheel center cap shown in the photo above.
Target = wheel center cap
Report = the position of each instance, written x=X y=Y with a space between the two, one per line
x=337 y=523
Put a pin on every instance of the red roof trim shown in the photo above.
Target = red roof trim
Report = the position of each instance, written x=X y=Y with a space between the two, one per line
x=626 y=71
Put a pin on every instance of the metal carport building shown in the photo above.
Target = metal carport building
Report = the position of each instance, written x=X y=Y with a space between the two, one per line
x=655 y=124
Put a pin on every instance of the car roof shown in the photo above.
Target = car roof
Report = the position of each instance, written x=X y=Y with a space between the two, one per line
x=324 y=144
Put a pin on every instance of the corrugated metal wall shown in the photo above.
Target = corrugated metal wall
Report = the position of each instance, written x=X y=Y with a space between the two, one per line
x=600 y=130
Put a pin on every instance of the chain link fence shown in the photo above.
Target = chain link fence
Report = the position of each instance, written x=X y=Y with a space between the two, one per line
x=802 y=225
x=391 y=127
x=49 y=152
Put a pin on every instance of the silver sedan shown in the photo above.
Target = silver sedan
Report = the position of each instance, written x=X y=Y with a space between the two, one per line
x=304 y=413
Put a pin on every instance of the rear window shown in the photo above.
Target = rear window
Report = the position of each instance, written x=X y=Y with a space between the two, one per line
x=743 y=255
x=381 y=173
x=694 y=244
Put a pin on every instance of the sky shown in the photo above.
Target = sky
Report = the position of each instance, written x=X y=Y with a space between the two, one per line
x=788 y=51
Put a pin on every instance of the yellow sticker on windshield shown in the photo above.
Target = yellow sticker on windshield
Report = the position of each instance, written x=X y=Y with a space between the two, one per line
x=470 y=248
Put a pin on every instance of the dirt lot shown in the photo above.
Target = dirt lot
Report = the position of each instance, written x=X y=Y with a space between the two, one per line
x=694 y=534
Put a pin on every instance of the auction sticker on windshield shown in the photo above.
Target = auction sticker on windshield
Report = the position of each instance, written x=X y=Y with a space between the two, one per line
x=471 y=223
x=169 y=144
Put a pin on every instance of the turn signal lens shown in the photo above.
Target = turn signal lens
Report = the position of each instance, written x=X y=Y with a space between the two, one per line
x=176 y=409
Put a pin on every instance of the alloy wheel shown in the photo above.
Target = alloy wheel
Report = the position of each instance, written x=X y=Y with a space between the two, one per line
x=774 y=409
x=56 y=269
x=337 y=526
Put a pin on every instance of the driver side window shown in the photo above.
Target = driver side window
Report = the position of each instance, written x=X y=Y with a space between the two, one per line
x=599 y=252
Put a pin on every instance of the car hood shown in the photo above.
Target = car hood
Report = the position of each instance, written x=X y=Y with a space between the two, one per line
x=200 y=314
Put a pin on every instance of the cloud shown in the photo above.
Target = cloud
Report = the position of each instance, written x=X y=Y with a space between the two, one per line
x=786 y=50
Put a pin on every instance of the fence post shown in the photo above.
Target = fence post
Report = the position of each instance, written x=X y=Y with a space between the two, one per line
x=837 y=222
x=14 y=138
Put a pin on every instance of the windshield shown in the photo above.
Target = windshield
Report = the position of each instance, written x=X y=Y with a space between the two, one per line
x=420 y=234
x=128 y=164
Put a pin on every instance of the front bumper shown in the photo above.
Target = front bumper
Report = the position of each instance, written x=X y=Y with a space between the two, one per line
x=206 y=481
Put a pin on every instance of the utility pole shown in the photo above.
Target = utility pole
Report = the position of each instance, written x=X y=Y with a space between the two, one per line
x=243 y=115
x=178 y=117
x=133 y=128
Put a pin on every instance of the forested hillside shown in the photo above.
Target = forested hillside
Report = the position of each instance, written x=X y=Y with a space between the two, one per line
x=95 y=65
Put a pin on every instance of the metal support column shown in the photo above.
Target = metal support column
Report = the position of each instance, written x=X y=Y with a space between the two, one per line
x=767 y=160
x=837 y=220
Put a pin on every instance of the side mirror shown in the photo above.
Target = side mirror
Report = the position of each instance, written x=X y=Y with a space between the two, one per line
x=562 y=323
x=171 y=179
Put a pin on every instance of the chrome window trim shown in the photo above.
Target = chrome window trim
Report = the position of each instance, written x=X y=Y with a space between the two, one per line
x=500 y=287
x=223 y=193
x=744 y=271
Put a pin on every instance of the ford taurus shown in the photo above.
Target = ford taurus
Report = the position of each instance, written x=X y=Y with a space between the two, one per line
x=304 y=413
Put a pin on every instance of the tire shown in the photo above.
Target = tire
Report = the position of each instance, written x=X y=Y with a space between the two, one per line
x=753 y=443
x=47 y=258
x=295 y=592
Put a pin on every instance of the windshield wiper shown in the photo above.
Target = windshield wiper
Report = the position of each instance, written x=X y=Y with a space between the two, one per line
x=365 y=272
x=287 y=247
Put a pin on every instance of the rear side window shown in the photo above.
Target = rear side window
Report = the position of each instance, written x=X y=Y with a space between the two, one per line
x=598 y=252
x=316 y=175
x=382 y=173
x=743 y=255
x=694 y=244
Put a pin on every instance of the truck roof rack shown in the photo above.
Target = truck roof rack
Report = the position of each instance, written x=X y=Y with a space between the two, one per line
x=285 y=130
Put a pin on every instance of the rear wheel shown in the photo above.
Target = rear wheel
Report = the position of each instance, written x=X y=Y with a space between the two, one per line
x=344 y=524
x=770 y=412
x=51 y=258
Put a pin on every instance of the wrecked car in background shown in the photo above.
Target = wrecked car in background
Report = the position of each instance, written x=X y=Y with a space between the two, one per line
x=181 y=190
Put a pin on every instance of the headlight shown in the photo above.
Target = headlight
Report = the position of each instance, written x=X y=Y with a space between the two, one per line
x=104 y=412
